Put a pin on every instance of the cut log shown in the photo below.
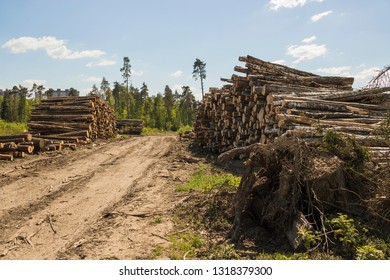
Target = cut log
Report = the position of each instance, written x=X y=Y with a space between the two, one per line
x=6 y=157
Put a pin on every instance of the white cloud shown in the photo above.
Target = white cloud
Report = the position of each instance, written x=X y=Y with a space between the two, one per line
x=364 y=76
x=102 y=62
x=92 y=79
x=136 y=73
x=337 y=71
x=309 y=40
x=177 y=74
x=29 y=83
x=319 y=16
x=279 y=61
x=277 y=4
x=308 y=51
x=54 y=48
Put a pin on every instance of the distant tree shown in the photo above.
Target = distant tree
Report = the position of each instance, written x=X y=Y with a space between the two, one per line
x=169 y=102
x=187 y=106
x=159 y=111
x=94 y=91
x=22 y=92
x=104 y=88
x=73 y=92
x=6 y=106
x=126 y=74
x=199 y=72
x=149 y=116
x=37 y=90
x=116 y=92
x=49 y=92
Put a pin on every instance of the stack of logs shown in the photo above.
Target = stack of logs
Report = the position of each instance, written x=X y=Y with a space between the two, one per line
x=73 y=119
x=61 y=122
x=129 y=126
x=19 y=145
x=272 y=100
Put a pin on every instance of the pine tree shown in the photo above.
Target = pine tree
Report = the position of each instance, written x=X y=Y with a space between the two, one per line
x=126 y=69
x=199 y=71
x=169 y=102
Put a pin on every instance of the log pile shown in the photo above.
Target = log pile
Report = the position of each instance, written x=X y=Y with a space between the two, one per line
x=61 y=122
x=272 y=100
x=17 y=146
x=73 y=119
x=129 y=126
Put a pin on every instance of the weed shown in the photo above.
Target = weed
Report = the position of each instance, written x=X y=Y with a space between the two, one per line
x=203 y=181
x=156 y=220
x=346 y=148
x=185 y=128
x=184 y=245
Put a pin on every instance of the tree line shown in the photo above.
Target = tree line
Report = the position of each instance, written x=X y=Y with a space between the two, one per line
x=169 y=110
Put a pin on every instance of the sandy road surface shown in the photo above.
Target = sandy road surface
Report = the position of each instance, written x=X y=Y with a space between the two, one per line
x=109 y=200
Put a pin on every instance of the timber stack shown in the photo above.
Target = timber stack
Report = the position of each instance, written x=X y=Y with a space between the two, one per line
x=66 y=121
x=129 y=126
x=18 y=145
x=272 y=100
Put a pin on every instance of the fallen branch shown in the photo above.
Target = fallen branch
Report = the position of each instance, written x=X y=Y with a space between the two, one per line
x=50 y=223
x=237 y=152
x=5 y=252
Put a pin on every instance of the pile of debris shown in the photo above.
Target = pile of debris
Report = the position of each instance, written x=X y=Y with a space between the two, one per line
x=293 y=187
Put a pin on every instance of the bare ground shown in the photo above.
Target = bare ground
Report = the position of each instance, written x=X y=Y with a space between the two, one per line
x=111 y=200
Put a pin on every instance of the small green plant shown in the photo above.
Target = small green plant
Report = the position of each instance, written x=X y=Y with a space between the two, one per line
x=346 y=148
x=345 y=231
x=184 y=128
x=310 y=238
x=203 y=181
x=369 y=252
x=184 y=246
x=156 y=220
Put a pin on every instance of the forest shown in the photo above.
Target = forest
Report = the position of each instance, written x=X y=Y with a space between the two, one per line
x=167 y=111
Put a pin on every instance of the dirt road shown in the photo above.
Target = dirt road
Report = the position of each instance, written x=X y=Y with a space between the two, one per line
x=108 y=200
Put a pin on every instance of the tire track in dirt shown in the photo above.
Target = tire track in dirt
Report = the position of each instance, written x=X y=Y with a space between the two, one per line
x=106 y=176
x=142 y=221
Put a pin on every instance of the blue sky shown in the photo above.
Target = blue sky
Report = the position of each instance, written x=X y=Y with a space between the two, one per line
x=63 y=44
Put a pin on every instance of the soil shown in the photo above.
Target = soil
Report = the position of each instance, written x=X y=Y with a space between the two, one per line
x=109 y=200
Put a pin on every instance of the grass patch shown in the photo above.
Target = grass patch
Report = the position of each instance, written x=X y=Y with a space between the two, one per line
x=205 y=181
x=185 y=128
x=10 y=128
x=146 y=131
x=184 y=246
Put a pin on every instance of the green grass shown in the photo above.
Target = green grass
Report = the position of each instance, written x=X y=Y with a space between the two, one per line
x=154 y=131
x=10 y=128
x=205 y=181
x=184 y=246
x=185 y=128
